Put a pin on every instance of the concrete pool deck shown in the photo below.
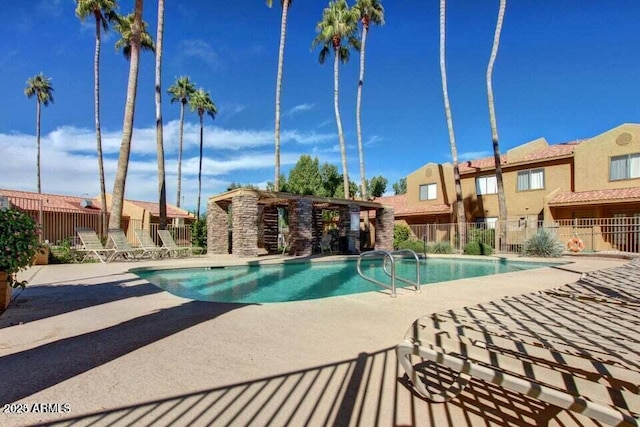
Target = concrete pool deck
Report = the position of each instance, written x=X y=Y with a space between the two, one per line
x=115 y=350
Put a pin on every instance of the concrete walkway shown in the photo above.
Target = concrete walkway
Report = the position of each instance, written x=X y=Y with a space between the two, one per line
x=111 y=349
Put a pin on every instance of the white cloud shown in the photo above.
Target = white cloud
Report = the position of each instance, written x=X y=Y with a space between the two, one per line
x=200 y=49
x=471 y=155
x=298 y=109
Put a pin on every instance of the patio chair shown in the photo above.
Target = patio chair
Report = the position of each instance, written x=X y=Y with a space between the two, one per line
x=171 y=246
x=147 y=244
x=576 y=354
x=122 y=246
x=92 y=246
x=325 y=243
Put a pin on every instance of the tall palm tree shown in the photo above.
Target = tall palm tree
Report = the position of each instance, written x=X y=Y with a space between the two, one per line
x=104 y=12
x=368 y=11
x=40 y=87
x=502 y=202
x=283 y=32
x=124 y=27
x=452 y=138
x=134 y=36
x=338 y=23
x=201 y=103
x=162 y=190
x=181 y=91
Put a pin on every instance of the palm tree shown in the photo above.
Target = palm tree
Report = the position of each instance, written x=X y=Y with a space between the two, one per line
x=40 y=86
x=202 y=103
x=134 y=36
x=368 y=11
x=338 y=23
x=162 y=191
x=124 y=26
x=104 y=13
x=181 y=91
x=283 y=32
x=502 y=203
x=452 y=138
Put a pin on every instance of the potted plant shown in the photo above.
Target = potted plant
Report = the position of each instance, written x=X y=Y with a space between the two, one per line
x=18 y=247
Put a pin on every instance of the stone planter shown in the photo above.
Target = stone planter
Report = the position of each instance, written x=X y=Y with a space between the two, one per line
x=5 y=291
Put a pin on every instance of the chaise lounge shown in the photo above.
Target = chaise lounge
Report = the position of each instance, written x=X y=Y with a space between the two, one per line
x=92 y=246
x=560 y=346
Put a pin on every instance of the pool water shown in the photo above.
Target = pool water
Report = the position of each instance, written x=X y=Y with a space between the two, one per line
x=293 y=281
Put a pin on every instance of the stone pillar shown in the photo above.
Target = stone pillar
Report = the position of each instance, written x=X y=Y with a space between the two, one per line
x=384 y=228
x=270 y=228
x=217 y=229
x=354 y=234
x=245 y=225
x=343 y=228
x=300 y=226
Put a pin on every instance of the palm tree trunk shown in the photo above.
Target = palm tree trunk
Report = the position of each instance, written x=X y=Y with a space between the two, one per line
x=283 y=33
x=200 y=166
x=502 y=203
x=452 y=138
x=162 y=191
x=345 y=174
x=363 y=180
x=96 y=94
x=38 y=142
x=119 y=183
x=180 y=152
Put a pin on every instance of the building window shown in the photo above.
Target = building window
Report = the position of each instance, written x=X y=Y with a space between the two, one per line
x=428 y=192
x=489 y=222
x=486 y=185
x=531 y=180
x=625 y=167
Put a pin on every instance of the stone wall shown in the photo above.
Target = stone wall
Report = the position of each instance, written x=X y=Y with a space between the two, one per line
x=245 y=225
x=300 y=226
x=217 y=229
x=270 y=229
x=384 y=229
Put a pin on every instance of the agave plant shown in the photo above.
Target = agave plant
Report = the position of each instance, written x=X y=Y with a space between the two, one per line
x=543 y=244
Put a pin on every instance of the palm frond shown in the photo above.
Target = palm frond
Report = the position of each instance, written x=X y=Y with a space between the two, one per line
x=40 y=87
x=123 y=25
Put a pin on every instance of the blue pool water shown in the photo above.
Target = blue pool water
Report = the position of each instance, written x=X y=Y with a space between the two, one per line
x=295 y=281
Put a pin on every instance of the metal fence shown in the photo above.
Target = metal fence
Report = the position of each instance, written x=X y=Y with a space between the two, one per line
x=59 y=224
x=617 y=234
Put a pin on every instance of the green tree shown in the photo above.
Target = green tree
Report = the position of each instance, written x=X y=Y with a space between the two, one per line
x=283 y=33
x=305 y=177
x=135 y=34
x=201 y=103
x=181 y=91
x=377 y=186
x=124 y=27
x=40 y=87
x=502 y=202
x=353 y=189
x=400 y=187
x=162 y=189
x=234 y=185
x=452 y=138
x=331 y=179
x=104 y=12
x=368 y=11
x=338 y=24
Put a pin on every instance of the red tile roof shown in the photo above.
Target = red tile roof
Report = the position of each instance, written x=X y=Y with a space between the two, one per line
x=154 y=209
x=400 y=208
x=49 y=202
x=596 y=196
x=483 y=163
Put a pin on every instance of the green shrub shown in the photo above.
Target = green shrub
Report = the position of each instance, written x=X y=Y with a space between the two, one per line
x=477 y=248
x=484 y=235
x=440 y=248
x=18 y=244
x=543 y=244
x=400 y=233
x=413 y=244
x=199 y=232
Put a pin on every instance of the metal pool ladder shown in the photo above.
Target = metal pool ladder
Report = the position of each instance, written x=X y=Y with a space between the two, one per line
x=389 y=256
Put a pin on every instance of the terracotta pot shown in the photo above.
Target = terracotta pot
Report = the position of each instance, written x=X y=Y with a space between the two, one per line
x=5 y=291
x=42 y=257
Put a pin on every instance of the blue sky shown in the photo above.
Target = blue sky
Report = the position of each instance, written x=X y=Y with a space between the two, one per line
x=566 y=70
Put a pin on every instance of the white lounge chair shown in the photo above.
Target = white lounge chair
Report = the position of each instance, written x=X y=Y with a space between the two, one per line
x=147 y=244
x=577 y=354
x=171 y=246
x=122 y=246
x=92 y=246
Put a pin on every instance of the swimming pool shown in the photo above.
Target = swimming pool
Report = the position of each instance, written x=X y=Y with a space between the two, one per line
x=293 y=281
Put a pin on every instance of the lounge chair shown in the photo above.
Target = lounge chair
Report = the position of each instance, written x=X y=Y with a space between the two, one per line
x=581 y=355
x=325 y=243
x=148 y=246
x=171 y=246
x=92 y=246
x=122 y=246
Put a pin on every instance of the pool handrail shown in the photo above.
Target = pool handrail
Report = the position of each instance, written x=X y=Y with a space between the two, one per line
x=385 y=254
x=416 y=284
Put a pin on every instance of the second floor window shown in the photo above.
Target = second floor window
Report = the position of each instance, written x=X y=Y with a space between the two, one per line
x=531 y=180
x=428 y=192
x=486 y=185
x=625 y=167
